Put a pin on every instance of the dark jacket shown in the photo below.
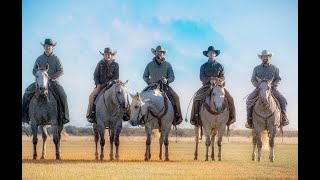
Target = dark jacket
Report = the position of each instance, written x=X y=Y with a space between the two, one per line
x=155 y=70
x=211 y=69
x=105 y=72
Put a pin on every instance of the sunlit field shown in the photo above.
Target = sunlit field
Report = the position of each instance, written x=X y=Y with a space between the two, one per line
x=78 y=160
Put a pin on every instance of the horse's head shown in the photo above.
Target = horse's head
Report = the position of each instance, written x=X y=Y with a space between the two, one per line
x=264 y=90
x=218 y=94
x=42 y=80
x=120 y=94
x=139 y=108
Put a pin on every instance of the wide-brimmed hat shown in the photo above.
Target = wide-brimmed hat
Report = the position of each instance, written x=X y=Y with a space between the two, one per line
x=49 y=42
x=265 y=53
x=211 y=48
x=108 y=50
x=158 y=48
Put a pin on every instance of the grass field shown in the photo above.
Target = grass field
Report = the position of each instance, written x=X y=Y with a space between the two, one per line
x=78 y=160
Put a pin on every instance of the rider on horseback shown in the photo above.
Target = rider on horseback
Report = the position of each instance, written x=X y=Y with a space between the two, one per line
x=211 y=71
x=160 y=70
x=270 y=72
x=55 y=71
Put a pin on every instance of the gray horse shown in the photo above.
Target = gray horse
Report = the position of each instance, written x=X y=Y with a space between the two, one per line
x=154 y=111
x=43 y=111
x=266 y=117
x=110 y=108
x=214 y=115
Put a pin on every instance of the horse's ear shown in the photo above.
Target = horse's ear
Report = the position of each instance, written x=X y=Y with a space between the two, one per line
x=47 y=67
x=125 y=83
x=133 y=96
x=269 y=81
x=138 y=95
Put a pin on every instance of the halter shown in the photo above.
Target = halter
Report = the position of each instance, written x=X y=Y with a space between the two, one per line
x=119 y=109
x=208 y=108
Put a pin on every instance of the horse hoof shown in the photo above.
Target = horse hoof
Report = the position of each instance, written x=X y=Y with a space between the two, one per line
x=206 y=160
x=219 y=159
x=34 y=157
x=145 y=159
x=42 y=157
x=111 y=159
x=213 y=159
x=96 y=158
x=167 y=159
x=58 y=158
x=195 y=158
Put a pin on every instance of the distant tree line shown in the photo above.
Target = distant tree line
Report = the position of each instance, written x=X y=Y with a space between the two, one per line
x=85 y=131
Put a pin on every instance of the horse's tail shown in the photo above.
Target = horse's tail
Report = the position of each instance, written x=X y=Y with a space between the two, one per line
x=265 y=140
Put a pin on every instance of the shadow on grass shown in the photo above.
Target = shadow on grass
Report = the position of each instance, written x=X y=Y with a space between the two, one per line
x=53 y=161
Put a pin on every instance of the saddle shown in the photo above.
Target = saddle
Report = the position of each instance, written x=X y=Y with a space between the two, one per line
x=164 y=89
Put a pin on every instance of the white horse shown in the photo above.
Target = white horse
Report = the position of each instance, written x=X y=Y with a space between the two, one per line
x=214 y=115
x=43 y=112
x=154 y=111
x=110 y=108
x=266 y=117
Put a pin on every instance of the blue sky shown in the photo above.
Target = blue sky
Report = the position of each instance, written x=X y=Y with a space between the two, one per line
x=238 y=28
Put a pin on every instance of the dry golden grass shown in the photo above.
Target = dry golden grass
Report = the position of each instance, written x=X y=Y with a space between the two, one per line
x=78 y=160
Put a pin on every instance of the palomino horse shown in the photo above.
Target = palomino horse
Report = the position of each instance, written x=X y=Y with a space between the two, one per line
x=154 y=111
x=266 y=117
x=110 y=108
x=214 y=115
x=43 y=111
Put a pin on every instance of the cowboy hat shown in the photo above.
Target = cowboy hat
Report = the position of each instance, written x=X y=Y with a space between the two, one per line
x=108 y=51
x=158 y=48
x=265 y=53
x=211 y=48
x=49 y=42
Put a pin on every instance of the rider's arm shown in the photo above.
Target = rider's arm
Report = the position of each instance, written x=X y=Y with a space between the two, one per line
x=170 y=74
x=146 y=74
x=254 y=80
x=277 y=79
x=59 y=70
x=203 y=77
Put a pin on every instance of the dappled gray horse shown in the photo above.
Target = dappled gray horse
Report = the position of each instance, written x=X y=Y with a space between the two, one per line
x=266 y=117
x=110 y=107
x=154 y=111
x=43 y=111
x=214 y=115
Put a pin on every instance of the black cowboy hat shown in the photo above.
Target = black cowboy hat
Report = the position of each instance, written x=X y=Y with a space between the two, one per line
x=108 y=50
x=49 y=42
x=211 y=48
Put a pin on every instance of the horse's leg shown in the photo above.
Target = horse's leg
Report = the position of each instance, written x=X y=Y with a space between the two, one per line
x=147 y=155
x=273 y=131
x=112 y=132
x=213 y=138
x=220 y=136
x=161 y=139
x=196 y=130
x=208 y=141
x=166 y=143
x=44 y=145
x=56 y=140
x=96 y=138
x=117 y=135
x=259 y=142
x=102 y=140
x=254 y=142
x=34 y=129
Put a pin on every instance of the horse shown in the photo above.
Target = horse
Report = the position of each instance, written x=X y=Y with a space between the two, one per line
x=214 y=113
x=43 y=111
x=266 y=118
x=153 y=110
x=110 y=108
